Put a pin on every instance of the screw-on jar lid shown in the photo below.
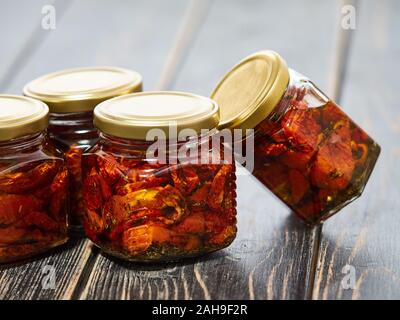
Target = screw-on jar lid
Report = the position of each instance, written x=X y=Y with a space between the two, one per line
x=132 y=116
x=20 y=116
x=81 y=89
x=251 y=90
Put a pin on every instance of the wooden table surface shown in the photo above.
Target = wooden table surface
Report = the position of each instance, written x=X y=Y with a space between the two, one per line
x=189 y=45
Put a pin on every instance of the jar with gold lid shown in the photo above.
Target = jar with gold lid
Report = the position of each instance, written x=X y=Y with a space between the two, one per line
x=33 y=181
x=307 y=151
x=155 y=204
x=71 y=95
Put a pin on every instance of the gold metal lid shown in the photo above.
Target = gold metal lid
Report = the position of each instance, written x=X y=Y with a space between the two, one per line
x=81 y=89
x=132 y=116
x=251 y=90
x=20 y=116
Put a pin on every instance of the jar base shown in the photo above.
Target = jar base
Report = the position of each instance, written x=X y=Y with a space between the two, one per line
x=155 y=255
x=35 y=250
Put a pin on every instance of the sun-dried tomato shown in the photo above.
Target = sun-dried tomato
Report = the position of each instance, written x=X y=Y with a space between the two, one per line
x=32 y=215
x=13 y=207
x=192 y=223
x=299 y=185
x=313 y=158
x=217 y=189
x=334 y=164
x=110 y=169
x=185 y=178
x=73 y=159
x=23 y=182
x=58 y=194
x=143 y=210
x=92 y=191
x=149 y=182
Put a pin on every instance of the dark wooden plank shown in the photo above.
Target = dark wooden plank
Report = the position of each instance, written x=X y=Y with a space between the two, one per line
x=365 y=234
x=33 y=280
x=272 y=255
x=131 y=34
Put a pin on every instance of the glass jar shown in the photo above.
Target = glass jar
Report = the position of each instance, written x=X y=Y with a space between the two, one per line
x=33 y=181
x=71 y=96
x=307 y=151
x=165 y=205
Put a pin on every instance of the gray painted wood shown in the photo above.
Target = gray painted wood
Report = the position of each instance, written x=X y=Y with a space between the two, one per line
x=273 y=254
x=134 y=35
x=20 y=32
x=54 y=275
x=365 y=234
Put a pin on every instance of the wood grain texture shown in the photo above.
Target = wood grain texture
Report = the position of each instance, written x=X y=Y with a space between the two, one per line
x=33 y=280
x=21 y=33
x=134 y=35
x=131 y=34
x=365 y=234
x=273 y=253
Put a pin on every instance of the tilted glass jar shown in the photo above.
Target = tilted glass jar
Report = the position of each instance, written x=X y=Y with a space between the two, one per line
x=33 y=181
x=308 y=152
x=160 y=206
x=71 y=95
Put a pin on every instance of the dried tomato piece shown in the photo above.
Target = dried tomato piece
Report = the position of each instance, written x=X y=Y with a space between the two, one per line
x=360 y=153
x=270 y=149
x=193 y=243
x=149 y=182
x=185 y=178
x=334 y=164
x=332 y=114
x=206 y=172
x=43 y=194
x=216 y=195
x=138 y=239
x=226 y=235
x=301 y=129
x=299 y=185
x=58 y=194
x=13 y=207
x=40 y=220
x=95 y=222
x=73 y=160
x=311 y=210
x=106 y=190
x=22 y=182
x=10 y=235
x=110 y=169
x=297 y=159
x=274 y=175
x=192 y=223
x=200 y=196
x=359 y=135
x=167 y=199
x=92 y=191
